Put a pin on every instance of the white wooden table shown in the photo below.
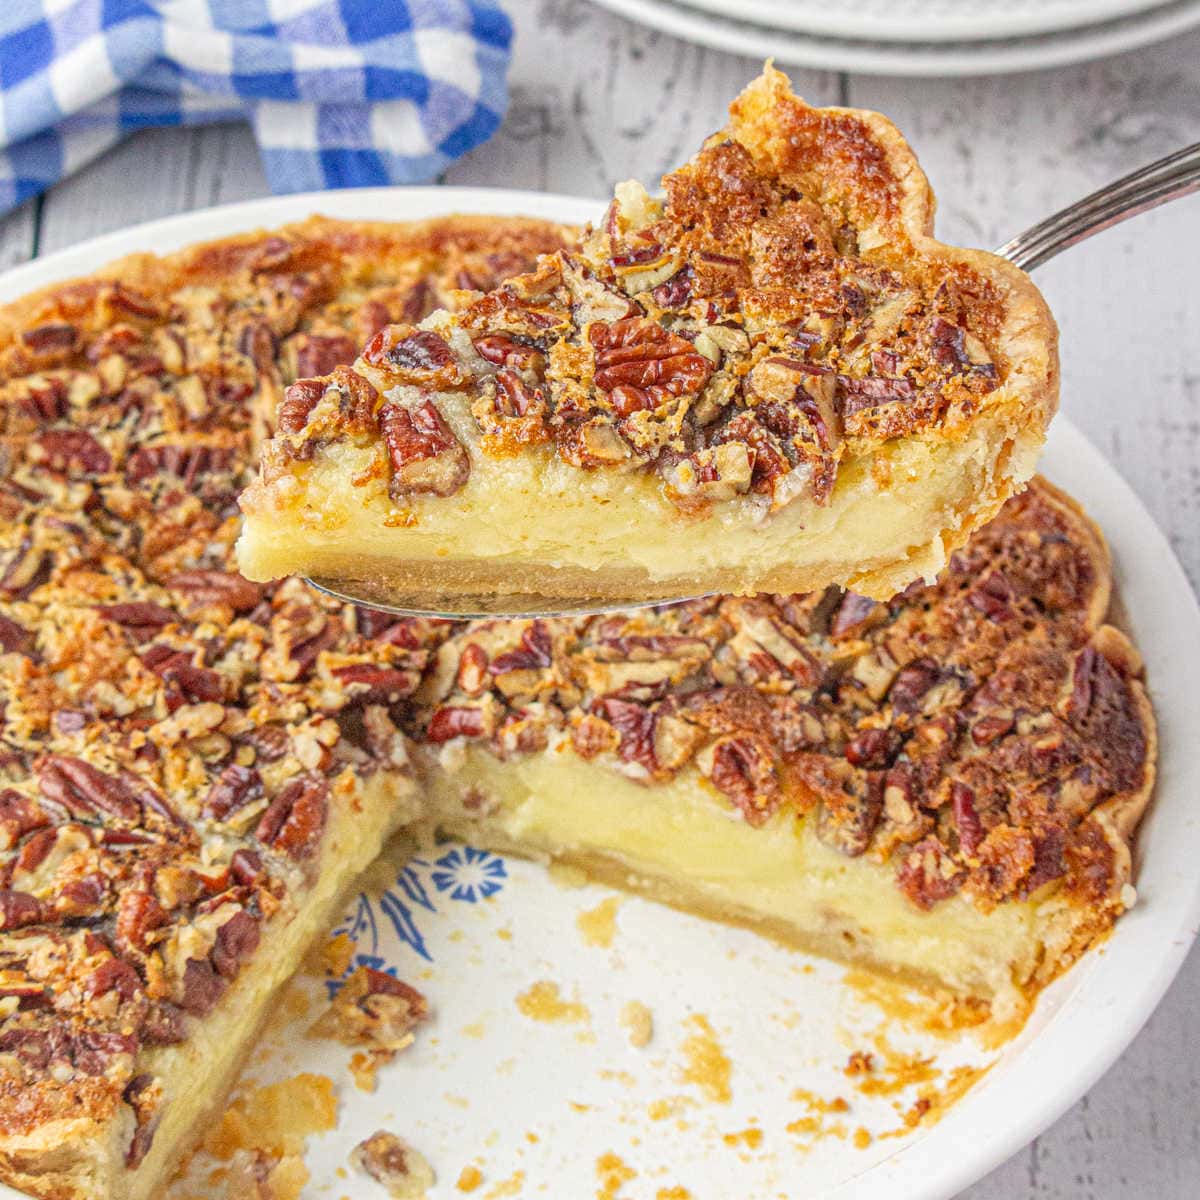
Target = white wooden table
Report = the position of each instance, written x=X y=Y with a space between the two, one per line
x=595 y=99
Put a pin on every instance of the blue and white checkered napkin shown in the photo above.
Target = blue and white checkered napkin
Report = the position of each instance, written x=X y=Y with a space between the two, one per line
x=341 y=93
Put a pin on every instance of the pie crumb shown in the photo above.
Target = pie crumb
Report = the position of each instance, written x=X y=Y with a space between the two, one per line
x=274 y=1120
x=257 y=1176
x=614 y=1173
x=403 y=1171
x=862 y=1138
x=543 y=1001
x=708 y=1066
x=469 y=1179
x=337 y=954
x=638 y=1022
x=598 y=926
x=365 y=1070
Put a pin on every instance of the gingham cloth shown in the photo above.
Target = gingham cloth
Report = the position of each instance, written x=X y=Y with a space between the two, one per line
x=340 y=93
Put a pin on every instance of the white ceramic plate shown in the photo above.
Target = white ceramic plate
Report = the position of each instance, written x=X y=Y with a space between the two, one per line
x=926 y=20
x=931 y=58
x=538 y=1106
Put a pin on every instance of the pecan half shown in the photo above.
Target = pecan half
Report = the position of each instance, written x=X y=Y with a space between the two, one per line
x=646 y=361
x=84 y=790
x=295 y=819
x=206 y=589
x=425 y=455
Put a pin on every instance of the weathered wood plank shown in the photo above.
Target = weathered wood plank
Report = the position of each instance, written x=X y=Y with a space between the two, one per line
x=154 y=173
x=18 y=235
x=620 y=102
x=1002 y=153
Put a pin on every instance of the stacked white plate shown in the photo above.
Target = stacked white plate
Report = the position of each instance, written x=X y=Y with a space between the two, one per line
x=918 y=37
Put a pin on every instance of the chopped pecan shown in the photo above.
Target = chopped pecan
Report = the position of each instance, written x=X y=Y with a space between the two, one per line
x=143 y=1093
x=473 y=669
x=392 y=1163
x=22 y=570
x=67 y=451
x=873 y=392
x=417 y=356
x=201 y=988
x=18 y=909
x=295 y=819
x=375 y=1009
x=94 y=1052
x=114 y=975
x=246 y=867
x=852 y=614
x=233 y=789
x=533 y=653
x=365 y=681
x=236 y=940
x=993 y=596
x=873 y=748
x=19 y=815
x=912 y=683
x=927 y=874
x=743 y=768
x=452 y=721
x=52 y=342
x=507 y=351
x=424 y=453
x=966 y=818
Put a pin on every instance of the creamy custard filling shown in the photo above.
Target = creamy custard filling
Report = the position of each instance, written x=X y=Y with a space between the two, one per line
x=529 y=511
x=681 y=843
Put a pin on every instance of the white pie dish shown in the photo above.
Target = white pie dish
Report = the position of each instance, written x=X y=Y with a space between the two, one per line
x=1080 y=1026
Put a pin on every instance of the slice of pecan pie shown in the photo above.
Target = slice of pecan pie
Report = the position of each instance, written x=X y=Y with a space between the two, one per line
x=772 y=380
x=193 y=767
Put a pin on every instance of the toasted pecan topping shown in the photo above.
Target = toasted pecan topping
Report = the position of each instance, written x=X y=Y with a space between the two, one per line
x=739 y=340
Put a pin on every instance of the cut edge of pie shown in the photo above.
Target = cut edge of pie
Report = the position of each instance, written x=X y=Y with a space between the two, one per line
x=497 y=503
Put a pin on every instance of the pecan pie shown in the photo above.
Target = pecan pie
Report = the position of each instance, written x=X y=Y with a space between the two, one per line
x=196 y=767
x=193 y=767
x=773 y=379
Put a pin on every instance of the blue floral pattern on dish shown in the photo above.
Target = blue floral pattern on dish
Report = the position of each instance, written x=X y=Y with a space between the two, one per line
x=469 y=874
x=462 y=873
